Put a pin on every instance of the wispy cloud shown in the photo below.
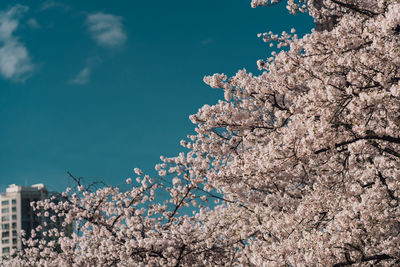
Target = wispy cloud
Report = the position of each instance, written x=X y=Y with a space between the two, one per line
x=206 y=41
x=50 y=4
x=15 y=62
x=82 y=77
x=106 y=29
x=33 y=24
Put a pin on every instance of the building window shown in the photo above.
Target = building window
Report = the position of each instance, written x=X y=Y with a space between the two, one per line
x=5 y=218
x=14 y=209
x=14 y=241
x=5 y=202
x=5 y=210
x=5 y=241
x=14 y=217
x=5 y=234
x=14 y=201
x=6 y=250
x=14 y=225
x=14 y=232
x=5 y=226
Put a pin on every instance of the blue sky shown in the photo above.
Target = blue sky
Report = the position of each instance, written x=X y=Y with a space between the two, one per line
x=98 y=88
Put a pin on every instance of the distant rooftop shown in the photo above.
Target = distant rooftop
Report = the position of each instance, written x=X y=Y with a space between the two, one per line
x=13 y=188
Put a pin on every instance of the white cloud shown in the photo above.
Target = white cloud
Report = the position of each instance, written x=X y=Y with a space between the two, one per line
x=49 y=4
x=82 y=77
x=33 y=24
x=9 y=21
x=15 y=62
x=106 y=29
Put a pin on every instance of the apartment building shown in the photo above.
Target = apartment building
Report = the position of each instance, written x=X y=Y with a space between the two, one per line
x=16 y=214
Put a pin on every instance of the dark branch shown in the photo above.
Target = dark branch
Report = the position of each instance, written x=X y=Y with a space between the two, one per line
x=386 y=138
x=349 y=262
x=182 y=249
x=355 y=8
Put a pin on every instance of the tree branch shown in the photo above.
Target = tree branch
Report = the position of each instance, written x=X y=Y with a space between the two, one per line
x=354 y=8
x=386 y=138
x=364 y=259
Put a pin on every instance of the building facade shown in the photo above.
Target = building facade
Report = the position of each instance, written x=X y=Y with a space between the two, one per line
x=16 y=214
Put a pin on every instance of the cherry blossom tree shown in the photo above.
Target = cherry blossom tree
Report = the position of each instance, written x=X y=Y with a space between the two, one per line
x=301 y=163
